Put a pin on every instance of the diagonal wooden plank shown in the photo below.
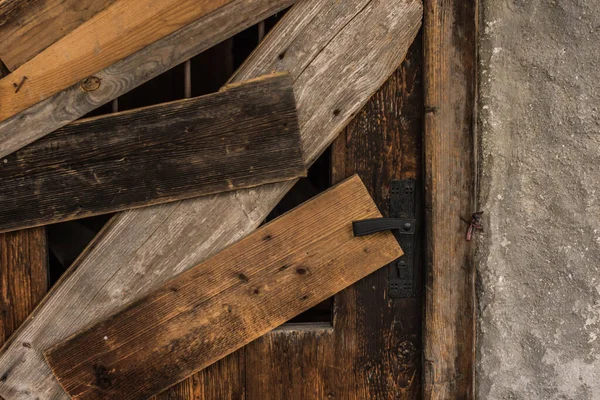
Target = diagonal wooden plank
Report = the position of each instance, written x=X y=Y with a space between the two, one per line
x=29 y=26
x=118 y=31
x=244 y=136
x=209 y=311
x=141 y=249
x=70 y=104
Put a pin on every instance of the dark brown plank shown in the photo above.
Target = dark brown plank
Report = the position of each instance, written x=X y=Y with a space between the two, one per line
x=29 y=26
x=23 y=277
x=450 y=59
x=244 y=136
x=209 y=311
x=373 y=350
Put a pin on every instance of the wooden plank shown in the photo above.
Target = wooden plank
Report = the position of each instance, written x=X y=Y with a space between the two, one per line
x=244 y=136
x=284 y=268
x=118 y=31
x=73 y=103
x=23 y=277
x=373 y=349
x=140 y=249
x=450 y=57
x=29 y=26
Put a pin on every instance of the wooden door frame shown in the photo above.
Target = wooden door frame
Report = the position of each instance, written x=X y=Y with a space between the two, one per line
x=450 y=84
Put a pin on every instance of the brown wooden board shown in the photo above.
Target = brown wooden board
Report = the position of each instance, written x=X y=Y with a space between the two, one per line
x=140 y=249
x=23 y=277
x=116 y=80
x=114 y=33
x=243 y=136
x=29 y=26
x=248 y=289
x=373 y=349
x=450 y=81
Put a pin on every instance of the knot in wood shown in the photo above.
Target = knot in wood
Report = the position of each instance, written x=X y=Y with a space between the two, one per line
x=90 y=84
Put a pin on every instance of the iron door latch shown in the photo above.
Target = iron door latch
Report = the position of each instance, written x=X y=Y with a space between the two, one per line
x=402 y=222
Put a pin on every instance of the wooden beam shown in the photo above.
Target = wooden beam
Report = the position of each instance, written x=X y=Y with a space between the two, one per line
x=111 y=35
x=28 y=26
x=73 y=103
x=209 y=311
x=450 y=51
x=243 y=136
x=141 y=249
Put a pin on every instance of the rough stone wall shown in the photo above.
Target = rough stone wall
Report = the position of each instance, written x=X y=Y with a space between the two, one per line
x=539 y=259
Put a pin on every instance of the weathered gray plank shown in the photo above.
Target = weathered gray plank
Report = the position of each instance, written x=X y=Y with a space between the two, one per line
x=241 y=137
x=229 y=300
x=72 y=103
x=141 y=249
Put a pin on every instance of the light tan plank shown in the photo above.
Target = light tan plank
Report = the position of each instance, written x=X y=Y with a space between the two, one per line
x=29 y=26
x=116 y=80
x=109 y=36
x=209 y=311
x=142 y=249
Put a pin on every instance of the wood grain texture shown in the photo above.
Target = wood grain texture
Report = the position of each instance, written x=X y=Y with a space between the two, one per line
x=450 y=51
x=23 y=277
x=373 y=349
x=29 y=26
x=118 y=31
x=141 y=249
x=70 y=104
x=209 y=311
x=244 y=136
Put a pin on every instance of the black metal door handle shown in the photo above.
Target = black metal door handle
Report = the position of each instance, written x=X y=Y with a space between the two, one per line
x=369 y=226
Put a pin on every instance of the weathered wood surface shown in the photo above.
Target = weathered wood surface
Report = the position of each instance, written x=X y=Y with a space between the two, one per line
x=211 y=310
x=73 y=103
x=29 y=26
x=114 y=33
x=373 y=350
x=141 y=249
x=23 y=277
x=244 y=136
x=450 y=58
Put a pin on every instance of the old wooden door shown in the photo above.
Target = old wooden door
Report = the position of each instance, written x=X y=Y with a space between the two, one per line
x=361 y=344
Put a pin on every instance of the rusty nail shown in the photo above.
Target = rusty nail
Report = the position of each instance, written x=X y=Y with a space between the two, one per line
x=90 y=84
x=18 y=87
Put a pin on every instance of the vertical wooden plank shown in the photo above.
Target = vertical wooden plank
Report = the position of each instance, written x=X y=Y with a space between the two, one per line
x=450 y=58
x=373 y=350
x=23 y=277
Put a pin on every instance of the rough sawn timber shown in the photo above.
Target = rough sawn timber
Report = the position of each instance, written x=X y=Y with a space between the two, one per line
x=29 y=26
x=334 y=75
x=243 y=136
x=450 y=79
x=282 y=269
x=73 y=103
x=114 y=33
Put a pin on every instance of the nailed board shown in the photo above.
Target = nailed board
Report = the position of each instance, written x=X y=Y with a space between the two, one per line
x=28 y=27
x=116 y=80
x=248 y=289
x=450 y=81
x=244 y=136
x=143 y=248
x=118 y=31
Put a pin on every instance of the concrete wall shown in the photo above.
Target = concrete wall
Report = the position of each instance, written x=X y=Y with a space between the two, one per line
x=539 y=260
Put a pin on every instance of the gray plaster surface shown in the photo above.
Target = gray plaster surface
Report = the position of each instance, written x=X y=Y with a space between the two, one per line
x=539 y=259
